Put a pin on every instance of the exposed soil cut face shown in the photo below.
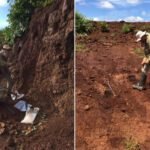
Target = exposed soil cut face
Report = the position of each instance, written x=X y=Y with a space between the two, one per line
x=107 y=67
x=42 y=69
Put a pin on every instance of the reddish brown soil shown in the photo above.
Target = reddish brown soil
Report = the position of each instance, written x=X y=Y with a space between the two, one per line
x=42 y=69
x=106 y=121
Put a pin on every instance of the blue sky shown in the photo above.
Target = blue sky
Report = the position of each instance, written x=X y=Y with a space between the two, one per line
x=115 y=10
x=4 y=9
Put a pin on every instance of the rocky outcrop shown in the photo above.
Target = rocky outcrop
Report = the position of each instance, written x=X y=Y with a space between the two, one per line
x=43 y=57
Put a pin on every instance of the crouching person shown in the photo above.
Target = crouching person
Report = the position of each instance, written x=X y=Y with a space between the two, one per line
x=4 y=70
x=144 y=38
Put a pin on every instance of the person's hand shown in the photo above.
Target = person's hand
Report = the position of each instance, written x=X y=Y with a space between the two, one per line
x=143 y=61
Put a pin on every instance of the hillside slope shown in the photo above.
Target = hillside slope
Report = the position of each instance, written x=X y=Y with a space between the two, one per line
x=42 y=68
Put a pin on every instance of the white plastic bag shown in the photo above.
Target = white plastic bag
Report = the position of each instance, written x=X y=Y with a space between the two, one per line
x=22 y=106
x=30 y=115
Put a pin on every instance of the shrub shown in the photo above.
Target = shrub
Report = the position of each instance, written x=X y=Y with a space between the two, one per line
x=80 y=47
x=20 y=15
x=6 y=35
x=83 y=25
x=126 y=28
x=2 y=38
x=104 y=27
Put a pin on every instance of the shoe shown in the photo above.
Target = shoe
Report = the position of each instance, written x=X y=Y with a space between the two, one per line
x=138 y=87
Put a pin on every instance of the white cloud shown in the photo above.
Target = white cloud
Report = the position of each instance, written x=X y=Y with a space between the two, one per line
x=80 y=2
x=105 y=4
x=133 y=19
x=123 y=2
x=96 y=19
x=133 y=1
x=117 y=2
x=112 y=3
x=3 y=3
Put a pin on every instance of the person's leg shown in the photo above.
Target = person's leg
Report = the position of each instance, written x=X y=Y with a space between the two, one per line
x=6 y=74
x=141 y=84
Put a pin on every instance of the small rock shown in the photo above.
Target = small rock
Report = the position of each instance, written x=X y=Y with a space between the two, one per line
x=54 y=92
x=87 y=107
x=136 y=70
x=90 y=95
x=107 y=44
x=79 y=92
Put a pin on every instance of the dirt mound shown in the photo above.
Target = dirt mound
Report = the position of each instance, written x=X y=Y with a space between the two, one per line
x=117 y=117
x=42 y=68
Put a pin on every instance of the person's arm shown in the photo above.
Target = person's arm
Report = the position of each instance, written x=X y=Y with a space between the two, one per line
x=146 y=60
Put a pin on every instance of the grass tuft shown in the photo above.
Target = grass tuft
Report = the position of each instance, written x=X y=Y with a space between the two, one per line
x=131 y=144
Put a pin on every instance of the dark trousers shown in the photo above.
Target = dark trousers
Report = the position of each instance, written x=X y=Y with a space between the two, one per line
x=5 y=73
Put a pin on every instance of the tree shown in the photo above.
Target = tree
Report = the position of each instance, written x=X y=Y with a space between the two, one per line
x=20 y=15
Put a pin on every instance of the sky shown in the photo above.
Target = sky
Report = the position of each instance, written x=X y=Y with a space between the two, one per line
x=4 y=9
x=115 y=10
x=108 y=10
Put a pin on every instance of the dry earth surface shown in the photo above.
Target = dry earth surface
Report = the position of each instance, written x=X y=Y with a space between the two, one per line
x=110 y=114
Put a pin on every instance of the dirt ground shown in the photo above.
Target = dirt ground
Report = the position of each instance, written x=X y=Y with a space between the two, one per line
x=110 y=114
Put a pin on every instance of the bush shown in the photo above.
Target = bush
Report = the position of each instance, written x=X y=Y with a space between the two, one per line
x=83 y=25
x=20 y=15
x=2 y=38
x=6 y=36
x=104 y=27
x=126 y=28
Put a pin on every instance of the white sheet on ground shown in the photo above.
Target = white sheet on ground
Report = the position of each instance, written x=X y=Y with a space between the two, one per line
x=30 y=115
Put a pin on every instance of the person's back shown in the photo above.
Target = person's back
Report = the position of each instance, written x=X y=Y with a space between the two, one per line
x=4 y=70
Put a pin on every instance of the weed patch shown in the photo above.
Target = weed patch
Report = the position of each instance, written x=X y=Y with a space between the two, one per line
x=81 y=48
x=131 y=144
x=126 y=28
x=83 y=25
x=104 y=27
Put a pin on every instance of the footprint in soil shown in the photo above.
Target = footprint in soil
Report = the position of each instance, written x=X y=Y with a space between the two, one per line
x=108 y=93
x=116 y=141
